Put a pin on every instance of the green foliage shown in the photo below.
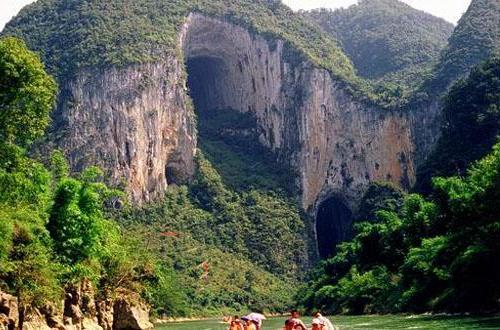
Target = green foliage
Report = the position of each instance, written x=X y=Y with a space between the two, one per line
x=472 y=114
x=229 y=139
x=387 y=41
x=72 y=35
x=27 y=93
x=252 y=240
x=475 y=39
x=77 y=34
x=432 y=255
x=27 y=268
x=167 y=295
x=53 y=228
x=73 y=223
x=379 y=196
x=232 y=283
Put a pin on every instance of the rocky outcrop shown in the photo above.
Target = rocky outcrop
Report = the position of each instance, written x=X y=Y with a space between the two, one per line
x=81 y=312
x=105 y=315
x=137 y=124
x=131 y=314
x=80 y=307
x=9 y=312
x=34 y=320
x=134 y=122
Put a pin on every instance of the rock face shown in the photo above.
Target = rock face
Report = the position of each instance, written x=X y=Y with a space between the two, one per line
x=133 y=122
x=80 y=307
x=336 y=144
x=136 y=123
x=131 y=316
x=8 y=311
x=81 y=312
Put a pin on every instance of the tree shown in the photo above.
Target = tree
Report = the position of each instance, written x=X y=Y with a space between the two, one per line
x=27 y=269
x=27 y=93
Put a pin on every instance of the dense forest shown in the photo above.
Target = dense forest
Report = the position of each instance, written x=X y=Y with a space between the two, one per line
x=235 y=237
x=387 y=40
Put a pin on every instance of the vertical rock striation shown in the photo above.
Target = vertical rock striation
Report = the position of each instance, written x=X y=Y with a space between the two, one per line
x=137 y=124
x=336 y=144
x=134 y=122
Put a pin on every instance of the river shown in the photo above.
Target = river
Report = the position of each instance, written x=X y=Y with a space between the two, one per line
x=365 y=322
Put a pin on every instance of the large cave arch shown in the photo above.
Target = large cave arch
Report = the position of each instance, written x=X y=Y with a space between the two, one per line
x=230 y=68
x=333 y=223
x=235 y=79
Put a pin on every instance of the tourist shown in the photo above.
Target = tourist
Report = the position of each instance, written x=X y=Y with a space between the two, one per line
x=318 y=324
x=236 y=324
x=326 y=322
x=294 y=322
x=251 y=325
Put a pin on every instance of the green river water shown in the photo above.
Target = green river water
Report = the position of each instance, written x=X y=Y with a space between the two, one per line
x=364 y=322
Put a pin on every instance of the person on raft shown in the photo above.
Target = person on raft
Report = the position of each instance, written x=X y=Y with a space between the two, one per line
x=294 y=322
x=251 y=325
x=318 y=324
x=236 y=324
x=327 y=324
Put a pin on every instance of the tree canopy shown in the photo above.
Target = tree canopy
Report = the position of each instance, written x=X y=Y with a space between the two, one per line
x=27 y=93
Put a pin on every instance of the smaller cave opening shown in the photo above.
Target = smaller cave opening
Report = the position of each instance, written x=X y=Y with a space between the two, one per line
x=333 y=222
x=172 y=175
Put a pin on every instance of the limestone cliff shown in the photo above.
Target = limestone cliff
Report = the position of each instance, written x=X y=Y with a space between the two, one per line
x=337 y=144
x=137 y=121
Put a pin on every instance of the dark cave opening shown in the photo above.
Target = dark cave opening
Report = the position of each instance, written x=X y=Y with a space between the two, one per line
x=333 y=222
x=229 y=138
x=206 y=82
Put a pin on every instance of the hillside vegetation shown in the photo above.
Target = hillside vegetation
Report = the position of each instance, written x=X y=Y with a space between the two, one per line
x=475 y=39
x=73 y=34
x=430 y=255
x=472 y=124
x=387 y=40
x=202 y=251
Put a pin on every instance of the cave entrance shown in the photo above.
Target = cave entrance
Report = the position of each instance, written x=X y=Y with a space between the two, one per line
x=333 y=221
x=228 y=78
x=206 y=83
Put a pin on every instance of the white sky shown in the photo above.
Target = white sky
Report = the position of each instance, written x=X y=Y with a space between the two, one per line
x=451 y=10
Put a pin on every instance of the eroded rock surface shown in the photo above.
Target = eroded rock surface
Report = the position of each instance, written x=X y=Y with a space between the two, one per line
x=9 y=312
x=133 y=122
x=136 y=124
x=131 y=314
x=337 y=145
x=81 y=312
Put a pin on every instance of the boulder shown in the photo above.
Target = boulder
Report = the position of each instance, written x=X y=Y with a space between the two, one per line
x=34 y=320
x=131 y=314
x=105 y=314
x=9 y=312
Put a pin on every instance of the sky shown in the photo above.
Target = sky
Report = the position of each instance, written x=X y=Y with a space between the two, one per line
x=450 y=10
